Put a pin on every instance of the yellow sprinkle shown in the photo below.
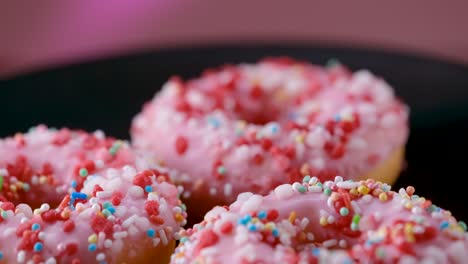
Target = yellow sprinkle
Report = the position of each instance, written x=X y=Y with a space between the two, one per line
x=409 y=233
x=408 y=205
x=92 y=238
x=300 y=139
x=65 y=214
x=323 y=221
x=254 y=220
x=19 y=185
x=353 y=191
x=43 y=179
x=302 y=236
x=269 y=226
x=363 y=189
x=179 y=217
x=383 y=197
x=13 y=188
x=292 y=217
x=37 y=211
x=305 y=170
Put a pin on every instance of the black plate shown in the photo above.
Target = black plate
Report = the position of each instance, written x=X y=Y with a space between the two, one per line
x=106 y=94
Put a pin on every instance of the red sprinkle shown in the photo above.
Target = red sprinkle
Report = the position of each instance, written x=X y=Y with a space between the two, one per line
x=71 y=249
x=207 y=238
x=226 y=228
x=156 y=220
x=116 y=198
x=68 y=226
x=181 y=145
x=256 y=92
x=151 y=207
x=272 y=214
x=97 y=188
x=257 y=159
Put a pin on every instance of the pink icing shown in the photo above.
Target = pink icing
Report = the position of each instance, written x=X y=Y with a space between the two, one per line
x=39 y=166
x=334 y=222
x=253 y=127
x=122 y=212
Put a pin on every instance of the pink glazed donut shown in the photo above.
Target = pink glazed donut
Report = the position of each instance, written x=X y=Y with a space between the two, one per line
x=334 y=222
x=43 y=165
x=120 y=216
x=253 y=127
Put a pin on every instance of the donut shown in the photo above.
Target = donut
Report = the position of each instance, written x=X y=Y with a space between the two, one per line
x=331 y=222
x=120 y=216
x=42 y=165
x=252 y=127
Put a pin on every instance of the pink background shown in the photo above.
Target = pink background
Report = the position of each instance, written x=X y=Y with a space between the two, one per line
x=38 y=34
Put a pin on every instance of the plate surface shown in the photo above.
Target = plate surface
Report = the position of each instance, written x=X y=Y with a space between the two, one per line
x=106 y=94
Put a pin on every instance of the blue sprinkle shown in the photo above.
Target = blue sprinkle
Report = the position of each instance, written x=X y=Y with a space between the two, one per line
x=316 y=252
x=337 y=118
x=274 y=128
x=38 y=246
x=74 y=184
x=111 y=210
x=275 y=232
x=35 y=227
x=444 y=225
x=79 y=195
x=92 y=247
x=150 y=232
x=252 y=228
x=148 y=188
x=214 y=122
x=262 y=215
x=244 y=220
x=1 y=255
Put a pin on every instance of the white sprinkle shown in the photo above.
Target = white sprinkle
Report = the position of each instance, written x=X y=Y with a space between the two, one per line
x=99 y=164
x=213 y=191
x=24 y=219
x=34 y=180
x=347 y=184
x=343 y=243
x=416 y=210
x=329 y=243
x=310 y=236
x=132 y=231
x=21 y=257
x=9 y=231
x=338 y=179
x=136 y=191
x=304 y=223
x=51 y=261
x=315 y=189
x=129 y=221
x=41 y=235
x=101 y=257
x=313 y=180
x=356 y=207
x=142 y=223
x=244 y=196
x=4 y=172
x=163 y=237
x=284 y=191
x=227 y=189
x=104 y=194
x=156 y=241
x=108 y=243
x=252 y=204
x=331 y=219
x=119 y=235
x=367 y=198
x=45 y=207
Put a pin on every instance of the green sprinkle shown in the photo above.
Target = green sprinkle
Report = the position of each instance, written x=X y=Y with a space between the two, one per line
x=332 y=63
x=221 y=170
x=356 y=218
x=106 y=212
x=4 y=215
x=354 y=227
x=306 y=179
x=327 y=191
x=183 y=239
x=115 y=147
x=1 y=183
x=344 y=211
x=462 y=225
x=302 y=189
x=83 y=172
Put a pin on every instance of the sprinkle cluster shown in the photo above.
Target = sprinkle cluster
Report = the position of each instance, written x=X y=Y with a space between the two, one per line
x=357 y=222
